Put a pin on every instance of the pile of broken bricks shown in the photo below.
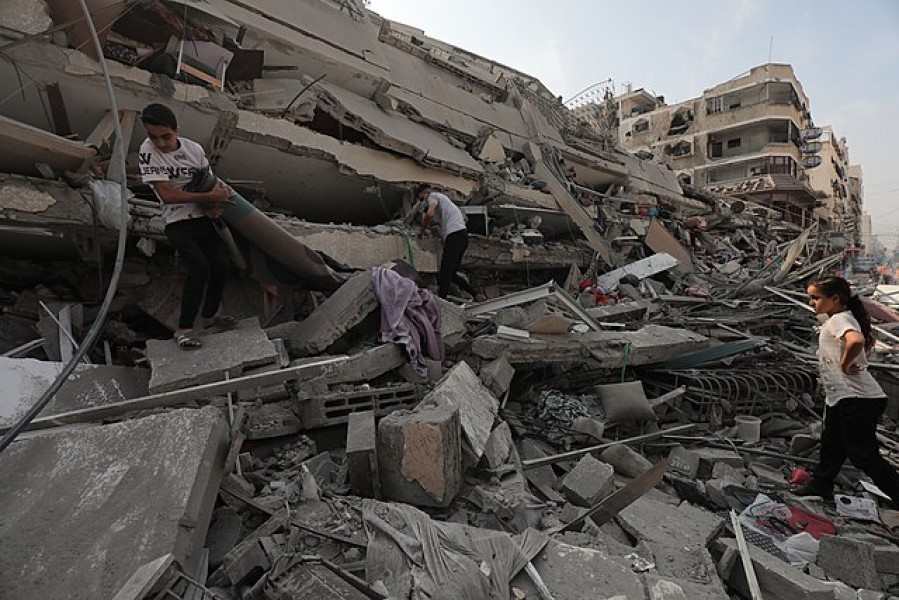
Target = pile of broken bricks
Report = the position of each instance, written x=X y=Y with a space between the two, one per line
x=307 y=460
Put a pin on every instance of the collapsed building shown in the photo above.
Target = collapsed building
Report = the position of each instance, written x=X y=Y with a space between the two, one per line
x=296 y=455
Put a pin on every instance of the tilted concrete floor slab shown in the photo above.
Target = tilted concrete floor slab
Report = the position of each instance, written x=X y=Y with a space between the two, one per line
x=24 y=380
x=84 y=508
x=228 y=352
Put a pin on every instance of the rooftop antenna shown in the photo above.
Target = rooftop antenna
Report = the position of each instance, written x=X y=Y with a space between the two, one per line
x=770 y=48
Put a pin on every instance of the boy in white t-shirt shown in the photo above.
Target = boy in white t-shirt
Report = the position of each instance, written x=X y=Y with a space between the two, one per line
x=167 y=163
x=853 y=398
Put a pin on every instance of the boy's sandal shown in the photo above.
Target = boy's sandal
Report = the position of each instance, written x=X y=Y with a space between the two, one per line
x=188 y=342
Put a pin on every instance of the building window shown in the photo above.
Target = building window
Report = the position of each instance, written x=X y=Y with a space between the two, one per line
x=713 y=105
x=641 y=126
x=682 y=148
x=734 y=143
x=715 y=150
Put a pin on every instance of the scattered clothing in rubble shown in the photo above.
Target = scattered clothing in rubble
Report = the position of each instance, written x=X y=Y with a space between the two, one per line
x=410 y=316
x=556 y=411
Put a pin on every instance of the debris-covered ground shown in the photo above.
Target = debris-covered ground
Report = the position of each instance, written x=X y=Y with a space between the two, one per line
x=623 y=417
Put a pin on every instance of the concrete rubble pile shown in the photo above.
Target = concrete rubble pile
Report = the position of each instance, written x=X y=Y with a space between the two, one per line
x=638 y=389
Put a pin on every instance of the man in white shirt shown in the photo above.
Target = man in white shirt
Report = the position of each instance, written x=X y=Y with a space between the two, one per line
x=453 y=232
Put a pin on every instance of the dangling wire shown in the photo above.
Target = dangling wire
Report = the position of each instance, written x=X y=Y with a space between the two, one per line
x=90 y=339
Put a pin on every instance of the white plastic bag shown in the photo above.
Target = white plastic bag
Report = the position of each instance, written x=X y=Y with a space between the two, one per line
x=108 y=202
x=802 y=547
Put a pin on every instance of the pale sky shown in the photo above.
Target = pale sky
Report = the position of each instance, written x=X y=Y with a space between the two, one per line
x=845 y=54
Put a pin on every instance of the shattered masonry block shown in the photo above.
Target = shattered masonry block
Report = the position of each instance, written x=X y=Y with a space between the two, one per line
x=699 y=463
x=83 y=509
x=477 y=406
x=778 y=580
x=342 y=311
x=497 y=376
x=849 y=560
x=362 y=454
x=499 y=446
x=420 y=454
x=625 y=460
x=683 y=461
x=588 y=482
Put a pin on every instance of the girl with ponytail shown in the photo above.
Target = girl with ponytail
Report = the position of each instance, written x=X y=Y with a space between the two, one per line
x=854 y=400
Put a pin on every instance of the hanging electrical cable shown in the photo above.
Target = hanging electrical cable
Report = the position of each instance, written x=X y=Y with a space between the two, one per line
x=94 y=332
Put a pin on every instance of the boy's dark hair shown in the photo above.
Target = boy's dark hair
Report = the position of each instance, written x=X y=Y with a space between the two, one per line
x=160 y=115
x=422 y=187
x=839 y=287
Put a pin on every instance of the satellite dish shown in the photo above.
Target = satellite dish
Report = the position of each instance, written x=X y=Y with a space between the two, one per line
x=811 y=147
x=811 y=134
x=812 y=161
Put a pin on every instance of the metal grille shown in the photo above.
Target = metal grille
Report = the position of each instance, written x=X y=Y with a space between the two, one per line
x=742 y=391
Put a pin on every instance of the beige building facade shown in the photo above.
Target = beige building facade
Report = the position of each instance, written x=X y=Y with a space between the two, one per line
x=752 y=137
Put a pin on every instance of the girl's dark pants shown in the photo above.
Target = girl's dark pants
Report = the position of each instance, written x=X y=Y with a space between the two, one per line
x=206 y=259
x=850 y=431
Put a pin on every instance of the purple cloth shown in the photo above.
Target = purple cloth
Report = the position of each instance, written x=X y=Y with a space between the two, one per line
x=409 y=316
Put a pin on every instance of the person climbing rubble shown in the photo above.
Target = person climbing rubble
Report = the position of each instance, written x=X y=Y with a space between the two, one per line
x=854 y=400
x=169 y=163
x=454 y=234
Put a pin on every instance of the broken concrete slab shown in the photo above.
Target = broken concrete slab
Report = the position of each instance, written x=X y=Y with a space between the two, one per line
x=625 y=460
x=588 y=482
x=651 y=520
x=574 y=573
x=148 y=579
x=671 y=588
x=420 y=454
x=778 y=580
x=591 y=428
x=659 y=239
x=623 y=311
x=229 y=352
x=24 y=380
x=650 y=344
x=342 y=311
x=497 y=376
x=849 y=560
x=477 y=406
x=362 y=454
x=122 y=495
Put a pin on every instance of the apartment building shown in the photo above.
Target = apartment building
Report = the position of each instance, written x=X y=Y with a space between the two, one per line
x=749 y=137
